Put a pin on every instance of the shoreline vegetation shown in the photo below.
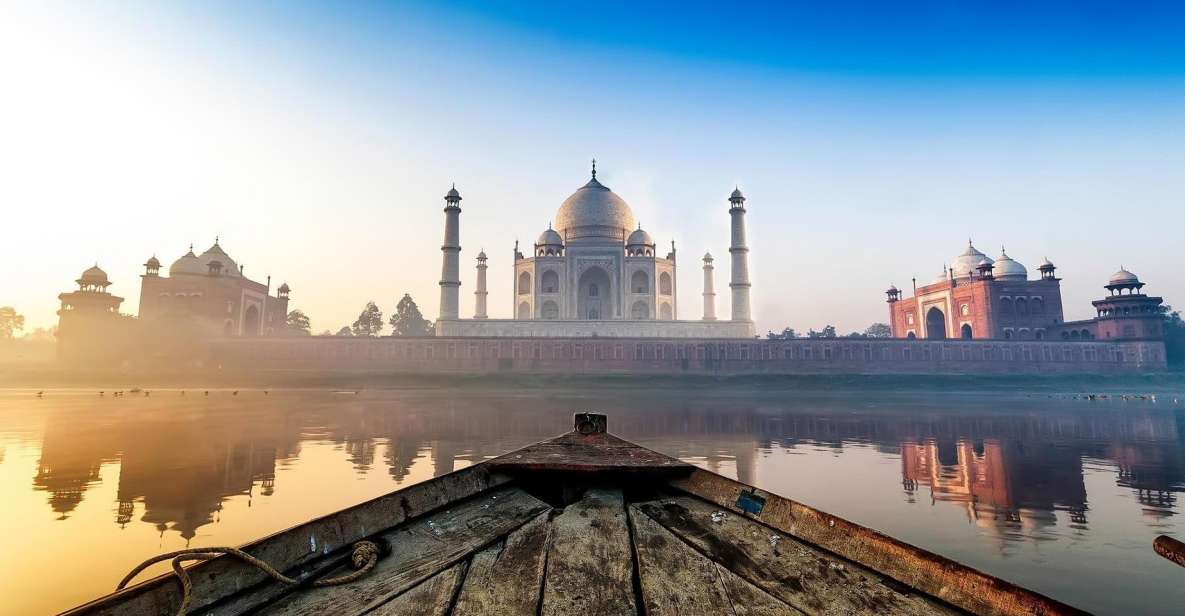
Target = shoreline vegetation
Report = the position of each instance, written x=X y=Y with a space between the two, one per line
x=25 y=377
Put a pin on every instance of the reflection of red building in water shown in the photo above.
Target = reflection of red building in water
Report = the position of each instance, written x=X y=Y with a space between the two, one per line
x=999 y=481
x=977 y=297
x=1155 y=473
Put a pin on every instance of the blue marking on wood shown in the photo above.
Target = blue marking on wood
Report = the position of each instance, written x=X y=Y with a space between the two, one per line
x=750 y=502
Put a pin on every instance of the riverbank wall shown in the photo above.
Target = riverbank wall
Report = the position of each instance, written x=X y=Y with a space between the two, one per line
x=649 y=356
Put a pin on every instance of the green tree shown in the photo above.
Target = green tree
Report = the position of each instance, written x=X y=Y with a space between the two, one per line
x=408 y=321
x=370 y=322
x=10 y=322
x=297 y=323
x=787 y=334
x=878 y=330
x=344 y=331
x=1174 y=338
x=827 y=332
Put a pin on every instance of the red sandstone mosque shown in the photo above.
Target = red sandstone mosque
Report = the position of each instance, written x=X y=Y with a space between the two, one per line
x=206 y=292
x=211 y=289
x=978 y=297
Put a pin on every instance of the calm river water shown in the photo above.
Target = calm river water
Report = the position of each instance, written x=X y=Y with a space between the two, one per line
x=1063 y=496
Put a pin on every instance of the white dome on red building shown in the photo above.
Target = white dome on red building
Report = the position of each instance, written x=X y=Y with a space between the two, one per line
x=966 y=263
x=1007 y=268
x=188 y=263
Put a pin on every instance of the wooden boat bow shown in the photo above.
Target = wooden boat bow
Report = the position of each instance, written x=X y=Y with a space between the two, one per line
x=587 y=523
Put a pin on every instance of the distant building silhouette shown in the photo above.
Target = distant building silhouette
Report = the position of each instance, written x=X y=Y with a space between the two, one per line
x=211 y=291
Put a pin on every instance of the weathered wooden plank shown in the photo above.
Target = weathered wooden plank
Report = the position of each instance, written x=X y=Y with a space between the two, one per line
x=432 y=597
x=589 y=563
x=294 y=551
x=591 y=453
x=749 y=600
x=506 y=578
x=955 y=583
x=798 y=574
x=419 y=550
x=676 y=579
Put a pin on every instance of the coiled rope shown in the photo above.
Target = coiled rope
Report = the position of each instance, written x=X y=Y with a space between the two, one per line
x=364 y=557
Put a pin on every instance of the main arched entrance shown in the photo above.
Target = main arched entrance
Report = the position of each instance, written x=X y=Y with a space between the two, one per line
x=935 y=324
x=251 y=321
x=593 y=299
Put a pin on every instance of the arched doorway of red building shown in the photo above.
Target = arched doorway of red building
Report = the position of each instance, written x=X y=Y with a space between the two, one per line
x=935 y=324
x=966 y=331
x=251 y=321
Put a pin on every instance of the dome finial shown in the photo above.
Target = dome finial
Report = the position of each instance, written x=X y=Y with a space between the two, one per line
x=594 y=168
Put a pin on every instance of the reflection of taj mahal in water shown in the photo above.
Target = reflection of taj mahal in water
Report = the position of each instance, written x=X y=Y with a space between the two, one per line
x=595 y=272
x=1006 y=469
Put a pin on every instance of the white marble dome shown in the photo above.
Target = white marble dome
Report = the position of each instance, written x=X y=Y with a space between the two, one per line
x=188 y=263
x=1007 y=268
x=965 y=264
x=594 y=212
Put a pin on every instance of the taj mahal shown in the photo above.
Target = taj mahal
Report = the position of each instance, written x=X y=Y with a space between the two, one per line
x=595 y=272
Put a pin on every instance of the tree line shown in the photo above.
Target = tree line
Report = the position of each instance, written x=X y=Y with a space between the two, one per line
x=407 y=321
x=876 y=330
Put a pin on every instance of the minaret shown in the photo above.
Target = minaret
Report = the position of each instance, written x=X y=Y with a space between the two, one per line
x=740 y=259
x=709 y=289
x=480 y=294
x=450 y=273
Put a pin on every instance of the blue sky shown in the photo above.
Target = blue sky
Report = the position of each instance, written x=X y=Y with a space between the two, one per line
x=317 y=139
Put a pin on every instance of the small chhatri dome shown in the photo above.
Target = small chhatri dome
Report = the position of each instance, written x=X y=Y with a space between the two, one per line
x=481 y=256
x=93 y=276
x=549 y=238
x=708 y=257
x=188 y=263
x=639 y=238
x=969 y=261
x=452 y=194
x=1006 y=268
x=284 y=288
x=594 y=212
x=892 y=289
x=152 y=263
x=1046 y=264
x=1123 y=277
